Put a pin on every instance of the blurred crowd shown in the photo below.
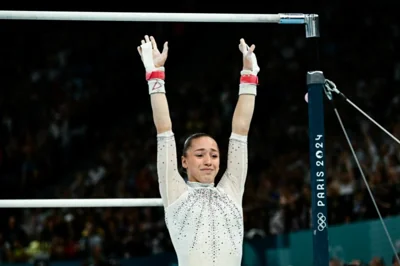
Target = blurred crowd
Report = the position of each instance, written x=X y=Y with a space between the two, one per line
x=76 y=122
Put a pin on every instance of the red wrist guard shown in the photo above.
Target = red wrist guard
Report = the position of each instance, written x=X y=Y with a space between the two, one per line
x=249 y=79
x=155 y=75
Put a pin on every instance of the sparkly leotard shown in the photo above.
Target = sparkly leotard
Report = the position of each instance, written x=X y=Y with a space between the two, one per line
x=205 y=222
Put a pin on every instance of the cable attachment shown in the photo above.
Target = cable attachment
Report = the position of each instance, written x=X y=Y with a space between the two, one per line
x=330 y=87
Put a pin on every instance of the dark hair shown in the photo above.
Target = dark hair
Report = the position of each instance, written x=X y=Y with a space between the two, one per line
x=188 y=141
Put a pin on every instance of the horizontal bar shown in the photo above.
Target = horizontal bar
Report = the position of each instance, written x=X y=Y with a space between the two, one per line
x=80 y=203
x=283 y=18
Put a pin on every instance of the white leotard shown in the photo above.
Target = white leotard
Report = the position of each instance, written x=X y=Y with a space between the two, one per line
x=205 y=222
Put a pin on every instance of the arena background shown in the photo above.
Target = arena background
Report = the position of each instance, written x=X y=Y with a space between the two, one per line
x=76 y=122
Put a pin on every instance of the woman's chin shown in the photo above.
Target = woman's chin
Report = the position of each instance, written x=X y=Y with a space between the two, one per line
x=207 y=179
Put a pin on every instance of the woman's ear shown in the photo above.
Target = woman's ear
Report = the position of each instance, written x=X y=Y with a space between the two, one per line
x=184 y=162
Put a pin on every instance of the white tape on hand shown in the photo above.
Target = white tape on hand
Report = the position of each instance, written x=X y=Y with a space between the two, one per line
x=147 y=57
x=256 y=68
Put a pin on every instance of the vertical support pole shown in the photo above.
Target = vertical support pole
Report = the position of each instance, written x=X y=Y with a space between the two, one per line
x=315 y=83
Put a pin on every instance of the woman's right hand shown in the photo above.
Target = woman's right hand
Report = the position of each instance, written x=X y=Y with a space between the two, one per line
x=158 y=59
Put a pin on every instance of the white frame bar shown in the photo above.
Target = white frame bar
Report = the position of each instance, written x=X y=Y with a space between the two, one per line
x=80 y=203
x=150 y=17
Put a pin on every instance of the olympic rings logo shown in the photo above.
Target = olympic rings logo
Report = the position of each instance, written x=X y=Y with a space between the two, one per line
x=321 y=221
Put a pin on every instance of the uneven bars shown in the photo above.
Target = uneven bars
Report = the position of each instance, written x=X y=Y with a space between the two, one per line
x=80 y=203
x=282 y=18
